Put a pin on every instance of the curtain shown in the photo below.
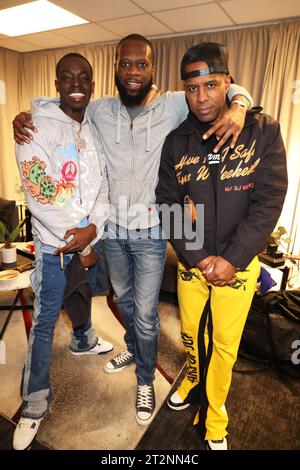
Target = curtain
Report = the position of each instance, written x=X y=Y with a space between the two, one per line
x=37 y=71
x=264 y=59
x=8 y=108
x=281 y=99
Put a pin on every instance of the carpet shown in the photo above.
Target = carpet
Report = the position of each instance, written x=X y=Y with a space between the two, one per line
x=90 y=409
x=264 y=414
x=263 y=408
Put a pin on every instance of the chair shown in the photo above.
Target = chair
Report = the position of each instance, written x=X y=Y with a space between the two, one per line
x=8 y=213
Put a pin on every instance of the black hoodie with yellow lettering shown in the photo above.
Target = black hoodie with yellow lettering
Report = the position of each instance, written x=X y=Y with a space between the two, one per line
x=242 y=198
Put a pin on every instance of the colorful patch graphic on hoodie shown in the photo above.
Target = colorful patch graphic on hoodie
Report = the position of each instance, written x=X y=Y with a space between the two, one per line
x=68 y=151
x=65 y=191
x=44 y=188
x=69 y=171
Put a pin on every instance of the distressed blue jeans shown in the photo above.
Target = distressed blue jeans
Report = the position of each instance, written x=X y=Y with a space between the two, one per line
x=48 y=283
x=135 y=263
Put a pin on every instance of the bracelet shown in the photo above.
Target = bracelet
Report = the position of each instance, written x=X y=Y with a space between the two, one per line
x=241 y=103
x=87 y=251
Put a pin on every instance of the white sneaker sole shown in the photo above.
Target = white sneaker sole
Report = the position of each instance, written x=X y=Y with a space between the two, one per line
x=26 y=448
x=221 y=446
x=179 y=407
x=115 y=371
x=88 y=352
x=143 y=422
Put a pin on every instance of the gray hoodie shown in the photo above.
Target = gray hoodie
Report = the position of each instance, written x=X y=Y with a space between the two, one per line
x=62 y=174
x=133 y=150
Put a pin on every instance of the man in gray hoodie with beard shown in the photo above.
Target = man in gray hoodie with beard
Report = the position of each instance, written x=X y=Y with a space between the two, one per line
x=132 y=128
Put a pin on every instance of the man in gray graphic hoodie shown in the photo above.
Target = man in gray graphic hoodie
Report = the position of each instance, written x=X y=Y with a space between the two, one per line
x=65 y=186
x=132 y=128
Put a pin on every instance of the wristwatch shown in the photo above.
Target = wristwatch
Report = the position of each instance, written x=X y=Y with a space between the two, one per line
x=87 y=251
x=240 y=103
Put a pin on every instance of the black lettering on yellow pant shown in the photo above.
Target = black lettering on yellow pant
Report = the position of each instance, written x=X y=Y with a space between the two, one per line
x=212 y=322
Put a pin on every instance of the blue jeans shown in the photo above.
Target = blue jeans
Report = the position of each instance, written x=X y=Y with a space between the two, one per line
x=102 y=284
x=48 y=282
x=135 y=267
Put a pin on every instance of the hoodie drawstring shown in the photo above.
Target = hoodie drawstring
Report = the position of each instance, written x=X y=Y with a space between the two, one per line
x=118 y=137
x=148 y=141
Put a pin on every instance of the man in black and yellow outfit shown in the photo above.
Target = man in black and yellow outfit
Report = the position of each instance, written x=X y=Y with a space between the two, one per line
x=242 y=191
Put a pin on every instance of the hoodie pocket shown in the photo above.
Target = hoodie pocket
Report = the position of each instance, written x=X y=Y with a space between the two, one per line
x=143 y=193
x=119 y=192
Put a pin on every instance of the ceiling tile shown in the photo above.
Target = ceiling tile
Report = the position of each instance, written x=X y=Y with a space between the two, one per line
x=17 y=45
x=254 y=11
x=158 y=5
x=194 y=18
x=142 y=24
x=11 y=3
x=48 y=40
x=97 y=11
x=116 y=18
x=88 y=33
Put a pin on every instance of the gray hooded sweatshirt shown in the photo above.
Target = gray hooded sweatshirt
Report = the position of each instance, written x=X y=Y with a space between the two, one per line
x=133 y=149
x=63 y=174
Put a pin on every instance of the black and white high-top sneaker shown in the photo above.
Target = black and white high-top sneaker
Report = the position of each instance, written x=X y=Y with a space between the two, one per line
x=145 y=404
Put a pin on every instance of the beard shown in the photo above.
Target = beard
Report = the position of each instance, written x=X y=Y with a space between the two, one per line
x=135 y=100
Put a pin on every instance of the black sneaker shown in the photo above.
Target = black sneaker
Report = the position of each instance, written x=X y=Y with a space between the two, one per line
x=145 y=404
x=119 y=362
x=176 y=403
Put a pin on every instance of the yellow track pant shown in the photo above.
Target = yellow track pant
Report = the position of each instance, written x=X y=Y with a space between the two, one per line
x=212 y=322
